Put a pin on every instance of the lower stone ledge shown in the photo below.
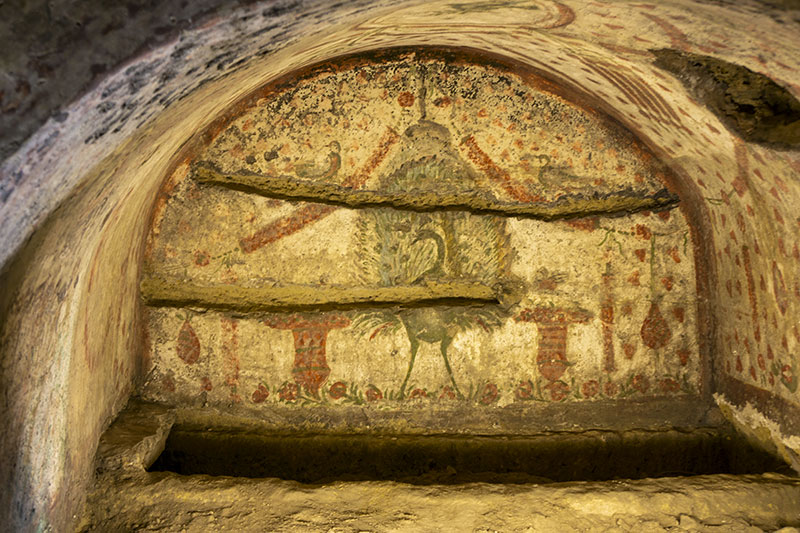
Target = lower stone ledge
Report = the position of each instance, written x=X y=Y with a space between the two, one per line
x=127 y=496
x=171 y=502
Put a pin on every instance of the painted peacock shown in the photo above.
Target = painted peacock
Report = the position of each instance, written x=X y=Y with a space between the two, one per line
x=400 y=247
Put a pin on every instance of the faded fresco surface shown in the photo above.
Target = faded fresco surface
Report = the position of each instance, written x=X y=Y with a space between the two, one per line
x=419 y=229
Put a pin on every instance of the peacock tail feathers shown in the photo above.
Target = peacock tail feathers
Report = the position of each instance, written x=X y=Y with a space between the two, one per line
x=395 y=248
x=375 y=321
x=437 y=174
x=465 y=318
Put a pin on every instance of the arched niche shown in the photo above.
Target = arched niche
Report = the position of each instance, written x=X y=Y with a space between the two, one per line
x=418 y=231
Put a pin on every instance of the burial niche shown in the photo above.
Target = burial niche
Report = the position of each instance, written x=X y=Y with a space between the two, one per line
x=381 y=238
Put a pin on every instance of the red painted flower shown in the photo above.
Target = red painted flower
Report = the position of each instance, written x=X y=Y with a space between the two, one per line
x=288 y=393
x=168 y=384
x=338 y=390
x=640 y=383
x=405 y=99
x=558 y=390
x=418 y=394
x=643 y=232
x=788 y=378
x=762 y=364
x=669 y=385
x=447 y=393
x=374 y=394
x=610 y=389
x=260 y=394
x=188 y=345
x=201 y=258
x=590 y=388
x=206 y=384
x=655 y=331
x=524 y=390
x=629 y=350
x=489 y=394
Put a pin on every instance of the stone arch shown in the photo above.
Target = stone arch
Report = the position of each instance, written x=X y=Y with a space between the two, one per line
x=101 y=167
x=424 y=140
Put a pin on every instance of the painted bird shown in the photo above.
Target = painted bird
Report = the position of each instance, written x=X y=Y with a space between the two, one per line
x=411 y=248
x=323 y=170
x=549 y=176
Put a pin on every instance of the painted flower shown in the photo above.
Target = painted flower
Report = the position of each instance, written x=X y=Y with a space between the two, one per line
x=669 y=385
x=201 y=258
x=610 y=389
x=188 y=345
x=788 y=378
x=168 y=384
x=655 y=330
x=374 y=394
x=585 y=224
x=558 y=390
x=643 y=232
x=338 y=390
x=489 y=394
x=418 y=394
x=640 y=383
x=260 y=394
x=288 y=393
x=629 y=350
x=447 y=393
x=590 y=388
x=205 y=384
x=762 y=364
x=524 y=390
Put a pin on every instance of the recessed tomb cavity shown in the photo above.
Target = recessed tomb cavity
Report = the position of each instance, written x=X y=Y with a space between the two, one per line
x=422 y=240
x=453 y=459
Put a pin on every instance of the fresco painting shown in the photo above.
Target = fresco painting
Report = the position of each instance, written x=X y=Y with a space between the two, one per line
x=419 y=229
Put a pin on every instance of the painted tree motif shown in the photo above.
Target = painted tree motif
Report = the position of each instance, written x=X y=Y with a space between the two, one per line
x=411 y=248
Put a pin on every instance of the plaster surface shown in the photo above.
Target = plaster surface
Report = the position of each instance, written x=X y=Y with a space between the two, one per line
x=71 y=351
x=596 y=307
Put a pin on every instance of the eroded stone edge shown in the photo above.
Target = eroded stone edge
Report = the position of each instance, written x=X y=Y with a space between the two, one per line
x=614 y=204
x=762 y=431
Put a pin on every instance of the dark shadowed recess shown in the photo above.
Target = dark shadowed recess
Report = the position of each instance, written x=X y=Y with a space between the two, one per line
x=750 y=104
x=54 y=50
x=425 y=460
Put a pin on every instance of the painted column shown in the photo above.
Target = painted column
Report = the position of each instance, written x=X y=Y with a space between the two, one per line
x=310 y=333
x=553 y=322
x=607 y=320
